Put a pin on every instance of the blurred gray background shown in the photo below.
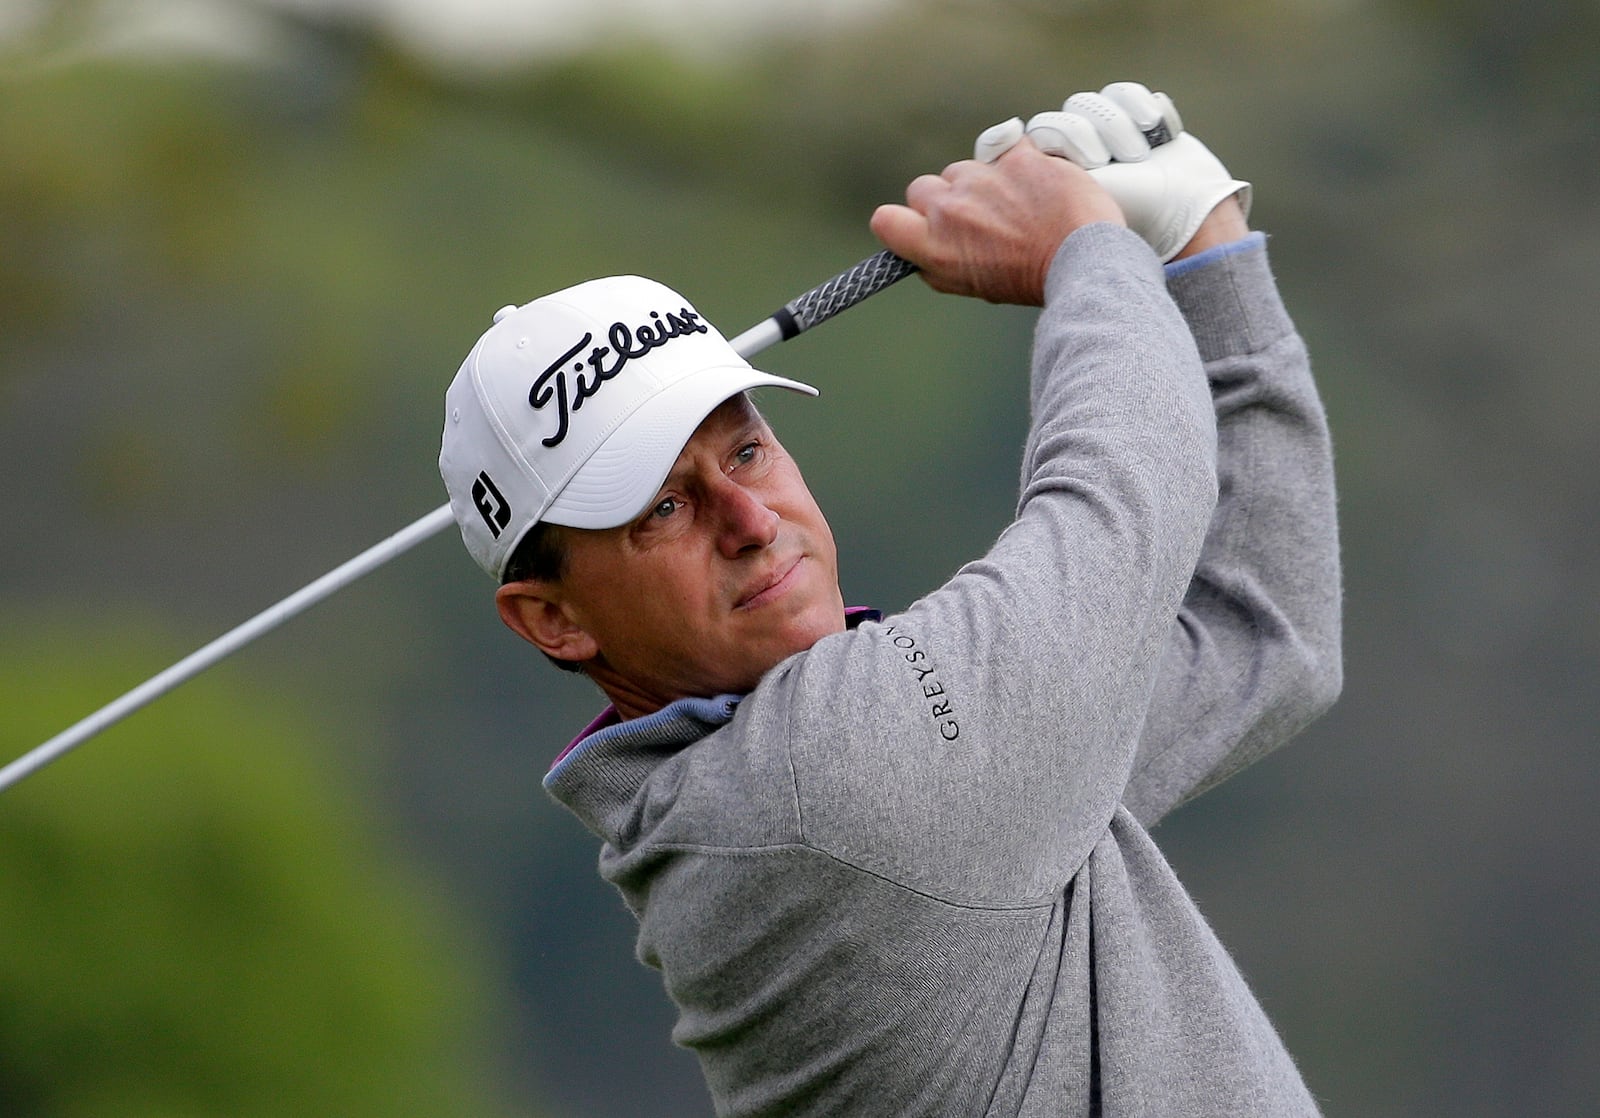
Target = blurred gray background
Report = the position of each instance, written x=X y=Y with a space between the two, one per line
x=243 y=247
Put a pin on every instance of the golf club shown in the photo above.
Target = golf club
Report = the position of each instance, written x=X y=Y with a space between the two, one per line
x=818 y=305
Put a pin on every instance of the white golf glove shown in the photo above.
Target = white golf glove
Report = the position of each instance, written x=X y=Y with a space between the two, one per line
x=1133 y=142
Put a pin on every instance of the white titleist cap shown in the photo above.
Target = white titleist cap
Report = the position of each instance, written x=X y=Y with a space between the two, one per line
x=573 y=408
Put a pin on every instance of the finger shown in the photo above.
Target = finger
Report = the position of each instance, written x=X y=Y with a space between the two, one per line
x=1169 y=113
x=996 y=140
x=1146 y=110
x=902 y=230
x=1154 y=113
x=1121 y=135
x=923 y=189
x=1071 y=137
x=961 y=167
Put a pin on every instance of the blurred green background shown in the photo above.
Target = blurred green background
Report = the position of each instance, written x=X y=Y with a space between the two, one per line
x=243 y=247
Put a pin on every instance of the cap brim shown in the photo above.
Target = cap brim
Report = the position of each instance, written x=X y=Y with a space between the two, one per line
x=617 y=482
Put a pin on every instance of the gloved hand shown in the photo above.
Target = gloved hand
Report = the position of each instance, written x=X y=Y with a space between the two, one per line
x=1133 y=142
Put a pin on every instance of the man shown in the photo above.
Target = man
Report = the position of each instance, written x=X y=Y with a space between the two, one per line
x=901 y=866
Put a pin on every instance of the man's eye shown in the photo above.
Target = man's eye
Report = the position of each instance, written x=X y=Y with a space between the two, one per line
x=746 y=453
x=664 y=509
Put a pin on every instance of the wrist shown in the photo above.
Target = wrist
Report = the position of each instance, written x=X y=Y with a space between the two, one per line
x=1223 y=225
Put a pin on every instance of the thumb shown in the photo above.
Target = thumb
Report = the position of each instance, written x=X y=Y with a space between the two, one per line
x=902 y=230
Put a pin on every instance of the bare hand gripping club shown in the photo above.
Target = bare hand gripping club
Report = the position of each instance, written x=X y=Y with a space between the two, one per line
x=816 y=306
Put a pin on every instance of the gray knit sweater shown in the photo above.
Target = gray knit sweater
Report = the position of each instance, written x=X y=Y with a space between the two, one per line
x=910 y=873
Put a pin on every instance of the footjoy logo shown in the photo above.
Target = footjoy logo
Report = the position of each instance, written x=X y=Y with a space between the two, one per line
x=494 y=508
x=626 y=343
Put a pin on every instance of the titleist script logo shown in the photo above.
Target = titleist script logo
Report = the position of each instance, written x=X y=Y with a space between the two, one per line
x=626 y=344
x=491 y=504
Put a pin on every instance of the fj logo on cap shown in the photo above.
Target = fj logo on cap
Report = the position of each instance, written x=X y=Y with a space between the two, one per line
x=491 y=505
x=626 y=343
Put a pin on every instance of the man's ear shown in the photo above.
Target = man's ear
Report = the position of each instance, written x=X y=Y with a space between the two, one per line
x=533 y=610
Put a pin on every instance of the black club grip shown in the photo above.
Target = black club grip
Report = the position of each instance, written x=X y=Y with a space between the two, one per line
x=843 y=291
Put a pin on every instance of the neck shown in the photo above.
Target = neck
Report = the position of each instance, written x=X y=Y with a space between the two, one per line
x=630 y=699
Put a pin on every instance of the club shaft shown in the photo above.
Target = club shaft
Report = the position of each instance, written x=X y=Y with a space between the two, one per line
x=817 y=305
x=230 y=642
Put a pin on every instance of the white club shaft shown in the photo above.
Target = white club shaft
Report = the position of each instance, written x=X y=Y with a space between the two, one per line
x=765 y=333
x=231 y=641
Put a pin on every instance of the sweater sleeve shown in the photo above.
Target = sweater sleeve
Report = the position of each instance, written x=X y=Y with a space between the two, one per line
x=977 y=745
x=1254 y=653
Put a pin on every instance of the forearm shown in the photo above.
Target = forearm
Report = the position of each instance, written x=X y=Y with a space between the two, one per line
x=1254 y=653
x=1000 y=714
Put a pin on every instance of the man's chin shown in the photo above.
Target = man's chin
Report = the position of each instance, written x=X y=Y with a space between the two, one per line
x=807 y=630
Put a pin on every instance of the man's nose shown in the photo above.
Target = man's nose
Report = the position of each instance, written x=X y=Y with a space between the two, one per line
x=745 y=522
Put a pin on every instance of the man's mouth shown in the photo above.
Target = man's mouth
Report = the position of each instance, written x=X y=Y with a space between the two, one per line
x=782 y=581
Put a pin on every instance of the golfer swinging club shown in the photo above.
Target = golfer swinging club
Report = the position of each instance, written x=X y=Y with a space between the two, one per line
x=901 y=865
